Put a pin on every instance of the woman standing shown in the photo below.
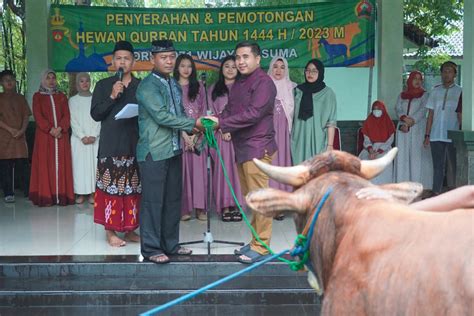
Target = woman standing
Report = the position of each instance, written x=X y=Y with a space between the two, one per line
x=84 y=140
x=225 y=204
x=282 y=118
x=51 y=172
x=315 y=115
x=413 y=162
x=378 y=131
x=194 y=166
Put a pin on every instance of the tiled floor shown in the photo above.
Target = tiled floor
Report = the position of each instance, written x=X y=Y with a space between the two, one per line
x=29 y=230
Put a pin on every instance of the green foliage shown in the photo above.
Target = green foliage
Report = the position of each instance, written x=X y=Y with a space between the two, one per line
x=12 y=37
x=434 y=17
x=430 y=64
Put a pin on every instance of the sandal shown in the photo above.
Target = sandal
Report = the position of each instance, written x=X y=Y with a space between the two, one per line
x=252 y=257
x=279 y=217
x=242 y=250
x=184 y=251
x=236 y=216
x=227 y=216
x=160 y=259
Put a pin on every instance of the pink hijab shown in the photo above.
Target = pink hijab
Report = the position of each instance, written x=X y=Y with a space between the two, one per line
x=284 y=89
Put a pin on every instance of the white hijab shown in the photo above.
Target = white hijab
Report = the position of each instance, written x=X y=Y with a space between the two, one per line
x=284 y=88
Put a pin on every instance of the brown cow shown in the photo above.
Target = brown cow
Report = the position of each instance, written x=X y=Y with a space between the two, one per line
x=376 y=257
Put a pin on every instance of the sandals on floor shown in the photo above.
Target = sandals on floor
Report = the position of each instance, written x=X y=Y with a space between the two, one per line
x=183 y=251
x=242 y=250
x=253 y=257
x=160 y=259
x=236 y=216
x=227 y=216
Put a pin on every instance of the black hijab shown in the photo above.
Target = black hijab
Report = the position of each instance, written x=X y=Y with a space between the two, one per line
x=306 y=104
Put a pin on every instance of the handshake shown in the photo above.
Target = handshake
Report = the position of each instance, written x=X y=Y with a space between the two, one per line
x=199 y=126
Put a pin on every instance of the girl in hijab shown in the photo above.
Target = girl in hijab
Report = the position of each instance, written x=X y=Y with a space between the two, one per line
x=282 y=117
x=51 y=172
x=379 y=132
x=413 y=161
x=315 y=115
x=84 y=140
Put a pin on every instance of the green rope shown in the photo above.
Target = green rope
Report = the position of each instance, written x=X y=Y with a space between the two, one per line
x=301 y=240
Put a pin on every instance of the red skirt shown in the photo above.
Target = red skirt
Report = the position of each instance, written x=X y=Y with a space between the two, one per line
x=117 y=193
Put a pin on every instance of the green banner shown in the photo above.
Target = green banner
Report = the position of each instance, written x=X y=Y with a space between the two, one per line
x=339 y=33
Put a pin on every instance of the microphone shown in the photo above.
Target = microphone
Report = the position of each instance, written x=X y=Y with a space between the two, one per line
x=120 y=77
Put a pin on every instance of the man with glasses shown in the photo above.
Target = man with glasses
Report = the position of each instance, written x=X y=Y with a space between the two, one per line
x=160 y=120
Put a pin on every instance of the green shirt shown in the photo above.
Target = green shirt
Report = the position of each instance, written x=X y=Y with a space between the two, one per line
x=160 y=117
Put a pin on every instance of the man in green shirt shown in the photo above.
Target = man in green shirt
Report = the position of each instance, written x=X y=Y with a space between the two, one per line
x=160 y=120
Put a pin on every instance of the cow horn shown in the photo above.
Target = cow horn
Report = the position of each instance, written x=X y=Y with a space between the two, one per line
x=295 y=176
x=372 y=168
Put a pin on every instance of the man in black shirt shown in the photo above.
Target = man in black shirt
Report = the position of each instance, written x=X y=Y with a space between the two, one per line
x=117 y=194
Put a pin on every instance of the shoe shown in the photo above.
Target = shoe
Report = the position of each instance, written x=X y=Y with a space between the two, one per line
x=184 y=251
x=242 y=250
x=226 y=216
x=91 y=199
x=160 y=259
x=279 y=217
x=201 y=215
x=185 y=217
x=253 y=257
x=236 y=216
x=10 y=199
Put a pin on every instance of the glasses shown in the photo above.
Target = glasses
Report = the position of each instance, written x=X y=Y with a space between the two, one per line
x=312 y=72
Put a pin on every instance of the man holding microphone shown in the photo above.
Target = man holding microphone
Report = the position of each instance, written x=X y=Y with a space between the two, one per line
x=117 y=194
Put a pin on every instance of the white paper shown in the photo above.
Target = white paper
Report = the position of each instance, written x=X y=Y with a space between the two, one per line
x=128 y=111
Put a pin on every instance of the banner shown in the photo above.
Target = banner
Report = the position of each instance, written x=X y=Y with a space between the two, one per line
x=340 y=33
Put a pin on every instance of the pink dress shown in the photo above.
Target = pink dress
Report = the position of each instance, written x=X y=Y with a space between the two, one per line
x=282 y=138
x=222 y=196
x=194 y=194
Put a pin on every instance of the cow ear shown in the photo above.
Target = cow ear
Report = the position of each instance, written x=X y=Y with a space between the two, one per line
x=268 y=202
x=404 y=192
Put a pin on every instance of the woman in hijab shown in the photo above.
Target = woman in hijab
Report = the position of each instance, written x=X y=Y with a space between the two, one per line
x=315 y=115
x=378 y=131
x=84 y=140
x=51 y=172
x=282 y=117
x=413 y=162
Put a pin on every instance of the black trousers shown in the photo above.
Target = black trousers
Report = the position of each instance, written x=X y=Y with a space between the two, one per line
x=442 y=153
x=6 y=174
x=160 y=206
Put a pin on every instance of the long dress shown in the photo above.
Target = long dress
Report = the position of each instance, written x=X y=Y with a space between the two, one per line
x=387 y=175
x=413 y=161
x=194 y=166
x=84 y=157
x=51 y=171
x=222 y=195
x=308 y=138
x=282 y=138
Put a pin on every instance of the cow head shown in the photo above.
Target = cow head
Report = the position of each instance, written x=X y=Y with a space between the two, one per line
x=346 y=175
x=306 y=178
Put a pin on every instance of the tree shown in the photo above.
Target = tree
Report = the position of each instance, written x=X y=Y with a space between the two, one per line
x=13 y=30
x=434 y=17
